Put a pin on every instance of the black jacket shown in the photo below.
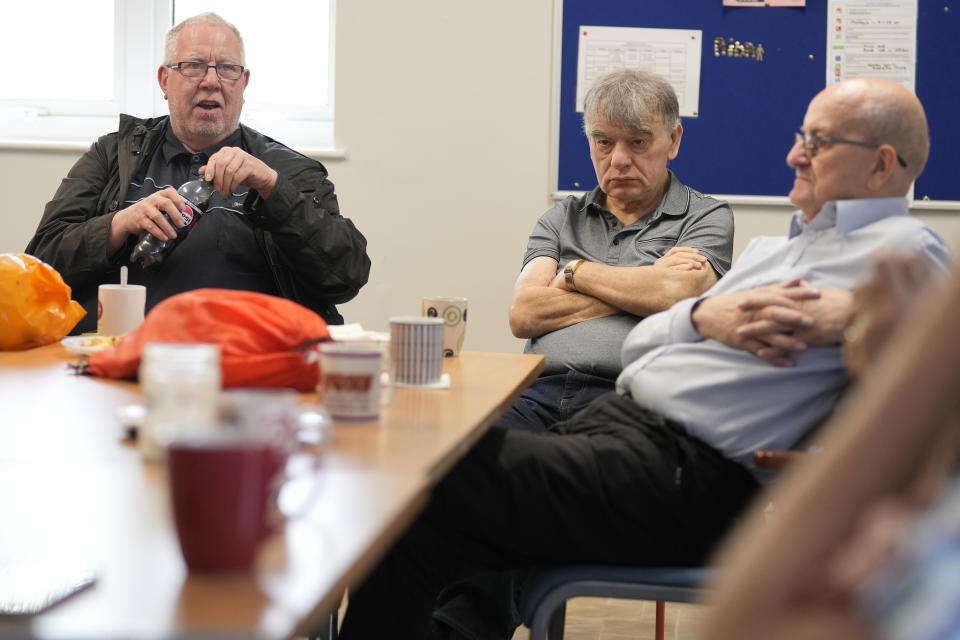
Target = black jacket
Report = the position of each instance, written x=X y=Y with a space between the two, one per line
x=318 y=258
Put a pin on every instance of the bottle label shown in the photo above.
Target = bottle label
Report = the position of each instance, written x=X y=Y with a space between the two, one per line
x=188 y=216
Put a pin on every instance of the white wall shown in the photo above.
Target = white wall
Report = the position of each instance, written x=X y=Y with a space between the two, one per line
x=444 y=116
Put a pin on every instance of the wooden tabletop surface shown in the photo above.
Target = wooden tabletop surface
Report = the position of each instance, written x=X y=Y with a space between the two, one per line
x=74 y=489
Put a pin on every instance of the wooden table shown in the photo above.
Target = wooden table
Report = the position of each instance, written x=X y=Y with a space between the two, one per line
x=71 y=488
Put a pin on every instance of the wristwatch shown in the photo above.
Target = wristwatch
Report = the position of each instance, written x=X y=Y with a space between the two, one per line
x=571 y=269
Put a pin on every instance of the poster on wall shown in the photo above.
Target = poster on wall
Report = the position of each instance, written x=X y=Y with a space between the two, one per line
x=869 y=39
x=671 y=53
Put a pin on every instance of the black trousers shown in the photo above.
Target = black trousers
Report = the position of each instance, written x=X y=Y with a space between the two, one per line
x=485 y=606
x=615 y=483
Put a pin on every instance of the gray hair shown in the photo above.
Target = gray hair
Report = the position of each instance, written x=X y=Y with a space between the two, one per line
x=170 y=41
x=628 y=98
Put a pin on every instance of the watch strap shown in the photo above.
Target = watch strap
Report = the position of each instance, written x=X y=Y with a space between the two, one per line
x=570 y=269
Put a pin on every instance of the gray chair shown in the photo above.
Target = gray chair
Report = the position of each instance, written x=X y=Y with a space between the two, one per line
x=544 y=600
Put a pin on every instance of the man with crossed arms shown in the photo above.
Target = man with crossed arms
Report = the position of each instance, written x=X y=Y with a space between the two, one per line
x=594 y=266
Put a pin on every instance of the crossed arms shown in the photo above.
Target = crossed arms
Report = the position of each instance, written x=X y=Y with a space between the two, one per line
x=543 y=302
x=772 y=322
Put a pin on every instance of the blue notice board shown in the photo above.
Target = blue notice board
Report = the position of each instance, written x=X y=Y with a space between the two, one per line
x=748 y=109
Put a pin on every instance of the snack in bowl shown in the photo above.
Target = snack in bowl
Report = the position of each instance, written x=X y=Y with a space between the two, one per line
x=89 y=344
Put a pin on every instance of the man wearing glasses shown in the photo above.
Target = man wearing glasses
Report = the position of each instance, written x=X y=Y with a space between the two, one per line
x=654 y=473
x=274 y=225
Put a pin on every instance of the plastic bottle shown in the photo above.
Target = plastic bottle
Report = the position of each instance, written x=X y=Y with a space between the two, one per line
x=150 y=251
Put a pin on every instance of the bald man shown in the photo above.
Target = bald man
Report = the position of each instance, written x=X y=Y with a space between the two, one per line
x=654 y=473
x=845 y=576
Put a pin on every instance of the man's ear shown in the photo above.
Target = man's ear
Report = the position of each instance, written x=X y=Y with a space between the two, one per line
x=162 y=74
x=675 y=137
x=885 y=163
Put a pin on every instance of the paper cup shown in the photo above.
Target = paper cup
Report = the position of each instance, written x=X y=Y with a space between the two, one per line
x=120 y=308
x=416 y=345
x=453 y=312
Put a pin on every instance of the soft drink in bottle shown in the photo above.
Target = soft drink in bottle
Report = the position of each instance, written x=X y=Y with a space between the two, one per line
x=150 y=251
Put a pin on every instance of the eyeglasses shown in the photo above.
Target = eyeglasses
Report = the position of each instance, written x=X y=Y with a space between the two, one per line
x=811 y=142
x=199 y=69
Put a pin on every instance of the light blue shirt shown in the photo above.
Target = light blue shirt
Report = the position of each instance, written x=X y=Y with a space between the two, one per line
x=730 y=398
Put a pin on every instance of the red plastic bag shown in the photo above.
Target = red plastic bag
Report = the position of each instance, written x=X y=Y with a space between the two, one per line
x=35 y=304
x=262 y=338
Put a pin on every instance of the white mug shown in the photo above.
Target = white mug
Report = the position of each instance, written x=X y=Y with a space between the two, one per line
x=453 y=311
x=356 y=380
x=416 y=344
x=120 y=308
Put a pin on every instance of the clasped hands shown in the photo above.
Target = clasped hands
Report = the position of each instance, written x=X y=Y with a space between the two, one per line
x=775 y=321
x=228 y=168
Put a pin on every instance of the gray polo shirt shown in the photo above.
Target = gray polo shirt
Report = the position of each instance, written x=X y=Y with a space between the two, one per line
x=583 y=228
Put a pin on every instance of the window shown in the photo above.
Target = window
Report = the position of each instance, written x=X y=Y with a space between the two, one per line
x=289 y=53
x=108 y=51
x=43 y=73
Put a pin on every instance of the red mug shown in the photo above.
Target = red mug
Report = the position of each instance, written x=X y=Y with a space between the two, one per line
x=225 y=481
x=223 y=491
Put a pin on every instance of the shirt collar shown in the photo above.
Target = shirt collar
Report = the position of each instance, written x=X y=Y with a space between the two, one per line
x=675 y=201
x=172 y=147
x=849 y=215
x=593 y=199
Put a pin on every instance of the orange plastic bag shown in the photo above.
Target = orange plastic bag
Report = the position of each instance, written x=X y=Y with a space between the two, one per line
x=35 y=304
x=262 y=338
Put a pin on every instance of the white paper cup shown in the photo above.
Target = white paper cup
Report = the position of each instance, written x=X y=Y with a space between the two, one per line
x=416 y=344
x=120 y=308
x=453 y=311
x=355 y=380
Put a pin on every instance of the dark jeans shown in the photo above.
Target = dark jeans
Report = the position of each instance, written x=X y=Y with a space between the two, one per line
x=552 y=399
x=615 y=484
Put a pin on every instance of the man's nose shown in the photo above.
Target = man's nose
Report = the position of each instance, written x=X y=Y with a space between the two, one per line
x=798 y=155
x=621 y=155
x=210 y=78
